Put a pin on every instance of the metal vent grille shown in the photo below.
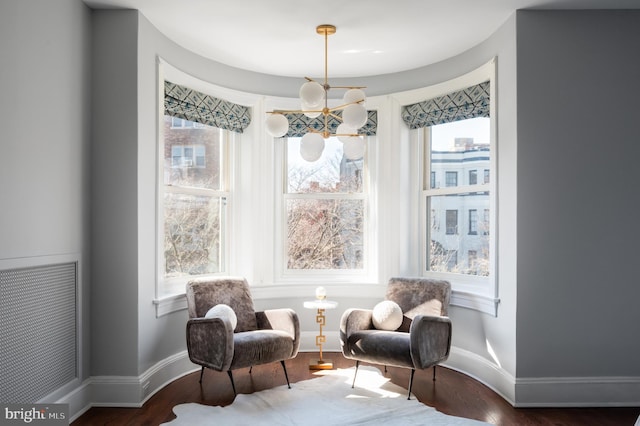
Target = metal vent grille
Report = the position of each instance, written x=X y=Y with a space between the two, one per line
x=38 y=350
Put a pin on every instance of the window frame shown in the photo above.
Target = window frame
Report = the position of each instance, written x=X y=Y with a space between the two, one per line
x=476 y=293
x=169 y=294
x=284 y=275
x=175 y=285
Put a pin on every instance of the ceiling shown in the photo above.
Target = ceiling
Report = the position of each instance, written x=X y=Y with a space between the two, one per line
x=373 y=37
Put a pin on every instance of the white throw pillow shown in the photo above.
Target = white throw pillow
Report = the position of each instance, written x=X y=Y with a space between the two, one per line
x=387 y=315
x=223 y=311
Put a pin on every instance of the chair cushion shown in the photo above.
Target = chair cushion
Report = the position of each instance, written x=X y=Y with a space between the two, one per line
x=380 y=347
x=386 y=315
x=260 y=347
x=223 y=311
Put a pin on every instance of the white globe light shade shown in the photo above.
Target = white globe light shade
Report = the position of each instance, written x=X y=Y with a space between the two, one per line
x=321 y=293
x=311 y=111
x=277 y=125
x=311 y=147
x=312 y=94
x=355 y=116
x=354 y=95
x=353 y=148
x=343 y=129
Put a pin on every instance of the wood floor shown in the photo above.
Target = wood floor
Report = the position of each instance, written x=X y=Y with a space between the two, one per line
x=453 y=393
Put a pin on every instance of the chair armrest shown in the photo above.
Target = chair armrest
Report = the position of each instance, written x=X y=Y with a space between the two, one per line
x=355 y=319
x=430 y=338
x=284 y=319
x=210 y=342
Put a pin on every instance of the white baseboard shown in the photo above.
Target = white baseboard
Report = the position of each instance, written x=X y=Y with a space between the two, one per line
x=547 y=391
x=127 y=391
x=578 y=392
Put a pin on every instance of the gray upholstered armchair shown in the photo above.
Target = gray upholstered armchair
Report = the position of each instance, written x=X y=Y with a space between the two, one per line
x=258 y=338
x=423 y=338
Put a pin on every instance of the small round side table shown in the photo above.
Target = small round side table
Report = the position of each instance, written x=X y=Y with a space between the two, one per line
x=320 y=305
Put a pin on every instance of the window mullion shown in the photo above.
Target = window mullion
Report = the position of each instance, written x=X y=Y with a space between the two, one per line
x=187 y=190
x=453 y=190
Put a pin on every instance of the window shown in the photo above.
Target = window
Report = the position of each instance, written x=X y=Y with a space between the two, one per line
x=473 y=222
x=325 y=207
x=194 y=197
x=452 y=135
x=194 y=202
x=188 y=155
x=452 y=222
x=451 y=178
x=444 y=150
x=473 y=177
x=472 y=259
x=485 y=222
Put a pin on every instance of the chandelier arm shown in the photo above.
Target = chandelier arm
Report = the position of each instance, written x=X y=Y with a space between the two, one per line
x=348 y=87
x=343 y=106
x=348 y=134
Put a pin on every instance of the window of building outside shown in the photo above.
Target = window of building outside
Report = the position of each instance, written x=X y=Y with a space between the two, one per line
x=194 y=196
x=459 y=147
x=473 y=177
x=473 y=221
x=325 y=211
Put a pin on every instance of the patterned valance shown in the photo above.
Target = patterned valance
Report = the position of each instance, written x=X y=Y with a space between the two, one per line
x=189 y=104
x=459 y=105
x=300 y=123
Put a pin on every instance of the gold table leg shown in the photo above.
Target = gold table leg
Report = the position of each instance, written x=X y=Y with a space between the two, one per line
x=321 y=363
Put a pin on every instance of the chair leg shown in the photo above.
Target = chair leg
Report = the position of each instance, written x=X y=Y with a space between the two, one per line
x=434 y=373
x=286 y=376
x=250 y=369
x=354 y=374
x=233 y=385
x=201 y=373
x=413 y=371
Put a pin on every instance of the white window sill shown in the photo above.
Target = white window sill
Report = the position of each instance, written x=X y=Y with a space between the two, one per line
x=476 y=302
x=488 y=305
x=168 y=304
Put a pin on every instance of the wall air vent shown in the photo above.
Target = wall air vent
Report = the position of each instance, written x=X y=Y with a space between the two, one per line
x=38 y=326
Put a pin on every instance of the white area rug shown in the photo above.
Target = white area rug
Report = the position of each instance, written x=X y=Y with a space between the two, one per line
x=327 y=400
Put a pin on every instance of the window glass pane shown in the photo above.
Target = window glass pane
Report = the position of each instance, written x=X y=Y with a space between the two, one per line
x=473 y=177
x=449 y=247
x=458 y=149
x=192 y=237
x=473 y=221
x=332 y=173
x=324 y=234
x=192 y=155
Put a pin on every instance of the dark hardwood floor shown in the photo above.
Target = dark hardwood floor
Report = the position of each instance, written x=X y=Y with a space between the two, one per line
x=453 y=393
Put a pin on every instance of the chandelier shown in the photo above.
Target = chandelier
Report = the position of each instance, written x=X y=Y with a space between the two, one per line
x=314 y=103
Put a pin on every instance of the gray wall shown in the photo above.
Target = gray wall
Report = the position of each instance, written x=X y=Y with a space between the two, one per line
x=578 y=233
x=44 y=142
x=114 y=203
